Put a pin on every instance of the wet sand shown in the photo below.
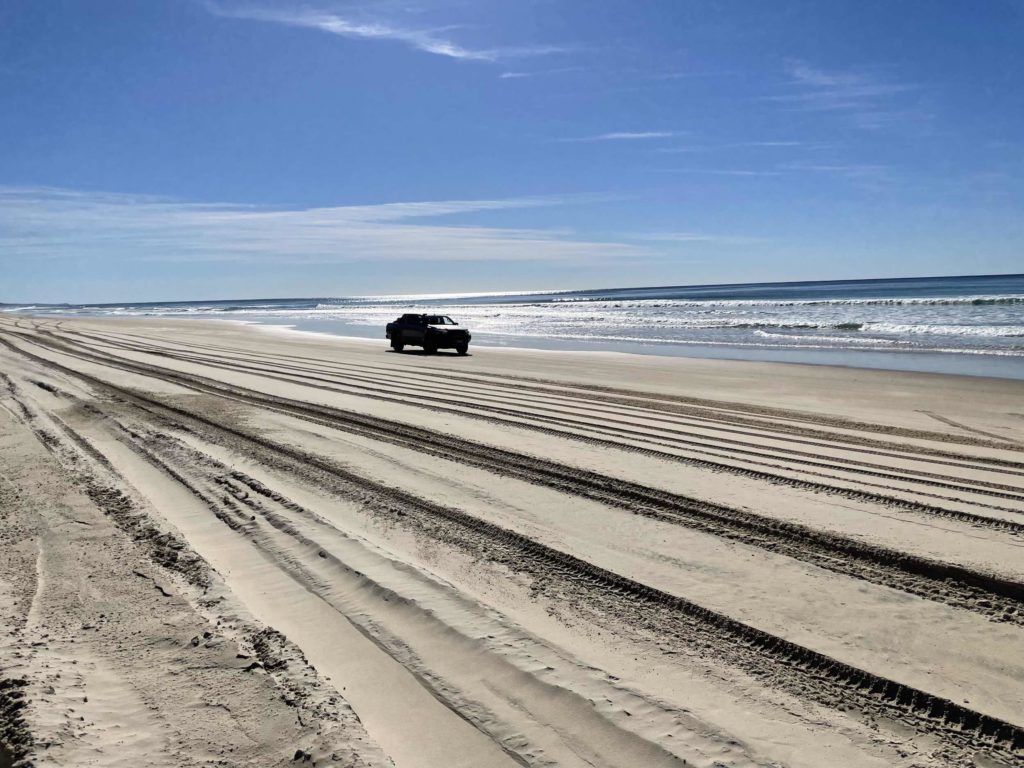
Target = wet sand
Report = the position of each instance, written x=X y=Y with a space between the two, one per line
x=236 y=545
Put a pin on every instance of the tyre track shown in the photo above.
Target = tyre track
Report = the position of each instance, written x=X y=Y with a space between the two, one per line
x=675 y=437
x=239 y=499
x=995 y=598
x=282 y=660
x=223 y=389
x=773 y=660
x=770 y=658
x=630 y=400
x=620 y=396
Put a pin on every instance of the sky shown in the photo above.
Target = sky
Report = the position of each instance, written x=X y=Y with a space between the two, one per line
x=202 y=149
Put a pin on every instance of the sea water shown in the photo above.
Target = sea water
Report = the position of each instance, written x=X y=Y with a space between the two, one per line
x=971 y=325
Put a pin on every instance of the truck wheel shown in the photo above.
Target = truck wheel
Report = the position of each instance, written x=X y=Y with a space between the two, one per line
x=429 y=349
x=462 y=349
x=397 y=345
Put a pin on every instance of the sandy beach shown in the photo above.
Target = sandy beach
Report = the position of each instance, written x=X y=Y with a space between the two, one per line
x=231 y=545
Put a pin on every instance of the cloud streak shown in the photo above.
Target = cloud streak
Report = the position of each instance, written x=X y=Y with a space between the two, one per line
x=425 y=40
x=699 y=237
x=43 y=223
x=516 y=75
x=846 y=169
x=626 y=136
x=739 y=145
x=860 y=171
x=868 y=98
x=742 y=173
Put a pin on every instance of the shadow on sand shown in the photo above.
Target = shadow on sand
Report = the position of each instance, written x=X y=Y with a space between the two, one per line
x=424 y=353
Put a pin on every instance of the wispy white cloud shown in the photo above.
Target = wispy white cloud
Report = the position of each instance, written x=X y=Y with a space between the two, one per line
x=864 y=172
x=858 y=169
x=515 y=75
x=736 y=145
x=43 y=223
x=689 y=74
x=740 y=172
x=427 y=40
x=838 y=90
x=869 y=98
x=698 y=237
x=626 y=136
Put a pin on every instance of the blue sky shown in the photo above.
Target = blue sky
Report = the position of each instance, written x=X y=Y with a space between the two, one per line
x=190 y=149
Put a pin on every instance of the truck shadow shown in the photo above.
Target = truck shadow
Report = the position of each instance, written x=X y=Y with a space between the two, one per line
x=422 y=353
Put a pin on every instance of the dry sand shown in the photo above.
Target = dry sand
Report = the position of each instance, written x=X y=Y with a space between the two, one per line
x=226 y=545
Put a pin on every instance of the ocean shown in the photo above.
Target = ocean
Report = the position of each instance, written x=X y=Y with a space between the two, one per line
x=972 y=325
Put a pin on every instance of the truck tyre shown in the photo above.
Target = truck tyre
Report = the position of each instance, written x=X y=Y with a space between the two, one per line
x=462 y=349
x=429 y=348
x=397 y=345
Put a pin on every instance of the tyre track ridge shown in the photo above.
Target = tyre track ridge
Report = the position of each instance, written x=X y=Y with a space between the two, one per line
x=343 y=379
x=228 y=508
x=167 y=550
x=198 y=383
x=624 y=396
x=872 y=692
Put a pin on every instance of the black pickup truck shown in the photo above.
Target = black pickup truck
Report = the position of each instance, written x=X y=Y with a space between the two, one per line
x=432 y=332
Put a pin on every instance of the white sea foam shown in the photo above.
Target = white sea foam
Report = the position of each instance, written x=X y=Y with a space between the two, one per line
x=824 y=339
x=992 y=331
